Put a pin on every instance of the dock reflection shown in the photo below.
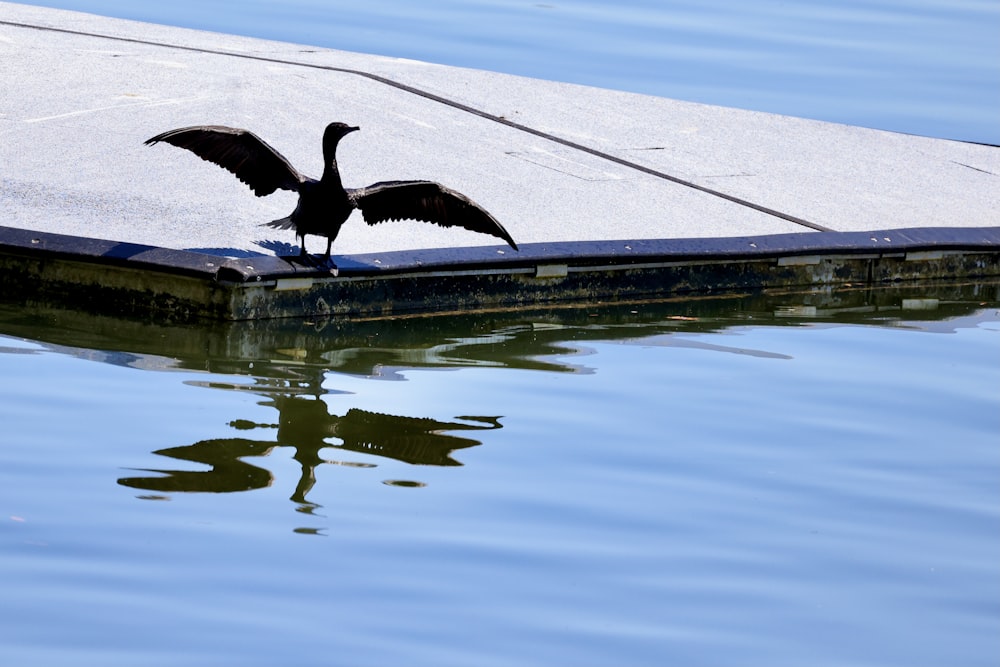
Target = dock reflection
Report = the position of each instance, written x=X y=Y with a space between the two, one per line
x=292 y=364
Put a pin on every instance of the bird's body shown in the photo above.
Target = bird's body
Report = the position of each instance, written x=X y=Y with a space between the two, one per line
x=325 y=205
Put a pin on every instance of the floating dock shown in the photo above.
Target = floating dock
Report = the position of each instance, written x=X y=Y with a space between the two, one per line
x=611 y=196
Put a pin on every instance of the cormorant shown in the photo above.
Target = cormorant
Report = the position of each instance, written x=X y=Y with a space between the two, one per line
x=325 y=205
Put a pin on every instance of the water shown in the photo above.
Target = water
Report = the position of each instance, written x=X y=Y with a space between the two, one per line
x=767 y=479
x=928 y=67
x=758 y=480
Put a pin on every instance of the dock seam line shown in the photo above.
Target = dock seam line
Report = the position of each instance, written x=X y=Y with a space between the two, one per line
x=451 y=103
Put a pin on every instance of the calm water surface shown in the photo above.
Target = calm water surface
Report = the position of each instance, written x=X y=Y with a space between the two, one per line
x=929 y=67
x=765 y=480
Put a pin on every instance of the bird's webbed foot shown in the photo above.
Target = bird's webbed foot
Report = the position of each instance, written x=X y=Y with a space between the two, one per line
x=327 y=264
x=320 y=262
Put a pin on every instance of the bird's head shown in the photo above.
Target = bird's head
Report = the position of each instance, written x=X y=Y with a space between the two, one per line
x=331 y=137
x=337 y=131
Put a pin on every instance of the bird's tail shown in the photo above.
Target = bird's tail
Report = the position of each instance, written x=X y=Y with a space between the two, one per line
x=281 y=223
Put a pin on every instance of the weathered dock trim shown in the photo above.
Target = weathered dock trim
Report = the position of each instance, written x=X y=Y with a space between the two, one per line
x=132 y=279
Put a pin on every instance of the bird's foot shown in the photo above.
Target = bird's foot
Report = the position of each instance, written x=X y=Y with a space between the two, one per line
x=321 y=263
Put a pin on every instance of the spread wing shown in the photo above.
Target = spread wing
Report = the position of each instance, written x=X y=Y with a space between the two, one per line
x=240 y=151
x=426 y=201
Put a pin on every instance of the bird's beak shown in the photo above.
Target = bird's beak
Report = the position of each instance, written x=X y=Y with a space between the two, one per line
x=353 y=129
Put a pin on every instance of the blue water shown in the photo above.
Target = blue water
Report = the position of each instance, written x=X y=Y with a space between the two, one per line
x=929 y=67
x=716 y=482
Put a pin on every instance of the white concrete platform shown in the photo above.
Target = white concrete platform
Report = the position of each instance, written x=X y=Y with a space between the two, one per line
x=553 y=162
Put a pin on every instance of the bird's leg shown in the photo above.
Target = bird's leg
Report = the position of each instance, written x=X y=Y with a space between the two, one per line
x=309 y=260
x=327 y=262
x=317 y=262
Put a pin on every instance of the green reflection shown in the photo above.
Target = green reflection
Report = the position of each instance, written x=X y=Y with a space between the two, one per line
x=291 y=364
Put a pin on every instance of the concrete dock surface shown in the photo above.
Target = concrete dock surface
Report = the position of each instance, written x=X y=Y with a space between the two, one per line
x=562 y=167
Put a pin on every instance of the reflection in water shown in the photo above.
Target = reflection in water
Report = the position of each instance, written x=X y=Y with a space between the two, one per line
x=228 y=472
x=305 y=425
x=287 y=362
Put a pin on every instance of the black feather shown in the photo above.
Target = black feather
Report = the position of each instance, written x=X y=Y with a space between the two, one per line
x=241 y=152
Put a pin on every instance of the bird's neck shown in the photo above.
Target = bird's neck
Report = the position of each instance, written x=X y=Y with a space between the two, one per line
x=330 y=171
x=331 y=175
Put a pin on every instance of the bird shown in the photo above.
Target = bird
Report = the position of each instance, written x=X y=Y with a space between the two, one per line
x=325 y=205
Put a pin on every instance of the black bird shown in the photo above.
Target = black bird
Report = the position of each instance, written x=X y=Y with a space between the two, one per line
x=325 y=205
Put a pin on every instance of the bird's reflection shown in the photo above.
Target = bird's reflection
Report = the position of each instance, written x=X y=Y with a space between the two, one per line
x=306 y=425
x=290 y=364
x=224 y=456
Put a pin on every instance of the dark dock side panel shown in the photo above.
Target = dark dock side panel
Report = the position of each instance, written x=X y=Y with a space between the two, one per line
x=131 y=279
